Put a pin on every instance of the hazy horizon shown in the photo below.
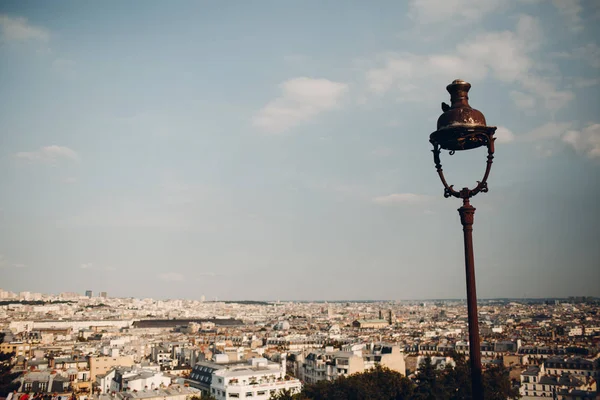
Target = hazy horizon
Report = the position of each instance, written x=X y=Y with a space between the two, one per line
x=280 y=149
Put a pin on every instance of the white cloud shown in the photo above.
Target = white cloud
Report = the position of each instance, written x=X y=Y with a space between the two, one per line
x=570 y=10
x=545 y=89
x=589 y=53
x=547 y=138
x=403 y=72
x=19 y=29
x=508 y=56
x=4 y=263
x=504 y=135
x=49 y=154
x=70 y=180
x=550 y=130
x=523 y=100
x=586 y=141
x=401 y=198
x=448 y=11
x=171 y=277
x=302 y=99
x=91 y=266
x=579 y=82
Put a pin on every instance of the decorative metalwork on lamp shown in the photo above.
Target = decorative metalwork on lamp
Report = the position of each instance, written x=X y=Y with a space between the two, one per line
x=461 y=127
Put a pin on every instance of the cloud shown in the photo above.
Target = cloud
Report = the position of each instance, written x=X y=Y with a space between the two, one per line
x=91 y=266
x=49 y=154
x=586 y=141
x=70 y=180
x=570 y=10
x=504 y=135
x=589 y=53
x=18 y=29
x=403 y=71
x=171 y=277
x=302 y=99
x=579 y=82
x=547 y=138
x=459 y=11
x=523 y=100
x=401 y=198
x=5 y=264
x=507 y=56
x=550 y=130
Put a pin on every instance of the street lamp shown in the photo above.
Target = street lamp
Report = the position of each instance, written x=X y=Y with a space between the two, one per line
x=461 y=127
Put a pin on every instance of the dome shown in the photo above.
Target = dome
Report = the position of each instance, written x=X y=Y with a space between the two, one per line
x=460 y=112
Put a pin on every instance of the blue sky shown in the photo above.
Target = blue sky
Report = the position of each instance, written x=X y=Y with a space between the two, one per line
x=279 y=150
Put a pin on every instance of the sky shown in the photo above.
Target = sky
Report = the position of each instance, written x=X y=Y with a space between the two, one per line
x=280 y=150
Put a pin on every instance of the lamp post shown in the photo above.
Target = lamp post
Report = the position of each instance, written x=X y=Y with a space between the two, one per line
x=461 y=127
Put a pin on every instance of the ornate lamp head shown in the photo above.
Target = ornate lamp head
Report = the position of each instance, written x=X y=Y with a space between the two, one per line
x=461 y=127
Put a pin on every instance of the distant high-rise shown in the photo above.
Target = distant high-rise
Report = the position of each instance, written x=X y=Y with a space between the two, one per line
x=103 y=295
x=89 y=293
x=203 y=298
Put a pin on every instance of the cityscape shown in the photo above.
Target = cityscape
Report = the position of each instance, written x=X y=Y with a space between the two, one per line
x=299 y=200
x=96 y=346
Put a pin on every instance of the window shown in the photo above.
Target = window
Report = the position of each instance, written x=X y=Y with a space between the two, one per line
x=249 y=394
x=43 y=386
x=28 y=386
x=234 y=395
x=261 y=392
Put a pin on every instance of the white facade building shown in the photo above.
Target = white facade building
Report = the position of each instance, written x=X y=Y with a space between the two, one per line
x=259 y=379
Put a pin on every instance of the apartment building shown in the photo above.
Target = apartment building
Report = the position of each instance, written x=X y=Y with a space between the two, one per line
x=328 y=364
x=102 y=364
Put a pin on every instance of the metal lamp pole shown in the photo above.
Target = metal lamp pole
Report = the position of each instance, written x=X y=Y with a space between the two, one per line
x=461 y=127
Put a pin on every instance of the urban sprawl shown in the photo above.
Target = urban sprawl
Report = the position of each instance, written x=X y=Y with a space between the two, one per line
x=102 y=348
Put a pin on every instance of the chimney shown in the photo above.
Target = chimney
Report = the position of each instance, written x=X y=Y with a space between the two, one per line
x=51 y=362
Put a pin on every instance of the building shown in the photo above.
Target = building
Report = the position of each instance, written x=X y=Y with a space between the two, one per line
x=89 y=293
x=174 y=392
x=104 y=295
x=132 y=379
x=370 y=323
x=44 y=382
x=17 y=347
x=557 y=377
x=329 y=365
x=101 y=365
x=256 y=378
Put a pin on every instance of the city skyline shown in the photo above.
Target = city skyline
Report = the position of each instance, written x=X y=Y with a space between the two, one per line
x=47 y=297
x=273 y=150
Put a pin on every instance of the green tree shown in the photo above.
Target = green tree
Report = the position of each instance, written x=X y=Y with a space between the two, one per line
x=6 y=376
x=379 y=383
x=431 y=384
x=497 y=385
x=450 y=383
